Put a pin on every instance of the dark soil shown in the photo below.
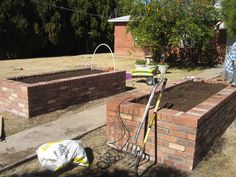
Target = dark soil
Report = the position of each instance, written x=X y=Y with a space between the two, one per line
x=186 y=96
x=57 y=75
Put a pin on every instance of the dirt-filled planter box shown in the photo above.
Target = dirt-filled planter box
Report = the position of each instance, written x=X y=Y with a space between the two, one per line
x=193 y=116
x=29 y=96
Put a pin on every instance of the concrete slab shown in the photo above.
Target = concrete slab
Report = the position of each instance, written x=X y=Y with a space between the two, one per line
x=211 y=73
x=22 y=145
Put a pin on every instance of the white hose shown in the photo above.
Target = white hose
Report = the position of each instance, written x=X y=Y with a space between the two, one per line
x=113 y=58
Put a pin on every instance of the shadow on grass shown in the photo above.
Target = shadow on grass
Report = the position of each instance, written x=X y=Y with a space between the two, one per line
x=216 y=149
x=129 y=88
x=90 y=155
x=72 y=171
x=190 y=68
x=142 y=81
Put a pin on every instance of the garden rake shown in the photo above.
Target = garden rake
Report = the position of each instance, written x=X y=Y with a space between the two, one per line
x=132 y=147
x=141 y=151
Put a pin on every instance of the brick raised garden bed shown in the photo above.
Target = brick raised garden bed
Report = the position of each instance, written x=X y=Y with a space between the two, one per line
x=187 y=126
x=29 y=96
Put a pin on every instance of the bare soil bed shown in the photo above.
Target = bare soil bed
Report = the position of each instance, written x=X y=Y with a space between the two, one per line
x=185 y=96
x=56 y=75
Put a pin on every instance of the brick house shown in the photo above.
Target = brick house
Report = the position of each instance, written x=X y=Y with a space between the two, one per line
x=124 y=44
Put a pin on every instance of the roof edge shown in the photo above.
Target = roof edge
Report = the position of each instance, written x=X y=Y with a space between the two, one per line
x=120 y=19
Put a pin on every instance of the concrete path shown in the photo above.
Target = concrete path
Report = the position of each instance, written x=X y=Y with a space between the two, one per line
x=211 y=73
x=21 y=146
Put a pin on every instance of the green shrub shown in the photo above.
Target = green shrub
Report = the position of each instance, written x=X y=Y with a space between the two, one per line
x=140 y=62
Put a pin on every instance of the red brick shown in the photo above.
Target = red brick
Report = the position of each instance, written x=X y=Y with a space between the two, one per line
x=178 y=134
x=171 y=126
x=176 y=146
x=180 y=154
x=112 y=105
x=168 y=138
x=191 y=137
x=186 y=119
x=132 y=123
x=111 y=113
x=189 y=149
x=162 y=130
x=162 y=143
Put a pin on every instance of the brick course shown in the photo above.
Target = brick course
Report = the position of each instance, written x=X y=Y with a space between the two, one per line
x=181 y=139
x=29 y=100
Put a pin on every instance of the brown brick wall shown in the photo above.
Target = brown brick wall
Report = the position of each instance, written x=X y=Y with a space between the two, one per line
x=221 y=113
x=124 y=44
x=14 y=97
x=181 y=139
x=29 y=100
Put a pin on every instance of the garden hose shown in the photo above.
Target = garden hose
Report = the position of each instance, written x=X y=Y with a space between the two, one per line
x=113 y=155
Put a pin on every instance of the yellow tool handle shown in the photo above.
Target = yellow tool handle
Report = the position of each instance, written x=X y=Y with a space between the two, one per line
x=154 y=113
x=1 y=127
x=149 y=129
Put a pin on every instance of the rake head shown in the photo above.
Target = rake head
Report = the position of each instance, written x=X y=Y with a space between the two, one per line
x=110 y=157
x=134 y=155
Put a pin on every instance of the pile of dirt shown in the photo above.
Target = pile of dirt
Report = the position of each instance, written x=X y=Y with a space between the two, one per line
x=185 y=96
x=56 y=75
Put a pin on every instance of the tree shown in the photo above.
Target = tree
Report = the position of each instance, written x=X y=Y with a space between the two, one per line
x=53 y=27
x=124 y=7
x=229 y=15
x=161 y=25
x=18 y=29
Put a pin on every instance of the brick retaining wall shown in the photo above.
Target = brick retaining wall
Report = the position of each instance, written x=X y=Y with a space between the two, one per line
x=181 y=139
x=29 y=100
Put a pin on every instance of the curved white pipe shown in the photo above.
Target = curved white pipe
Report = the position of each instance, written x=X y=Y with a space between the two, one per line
x=113 y=58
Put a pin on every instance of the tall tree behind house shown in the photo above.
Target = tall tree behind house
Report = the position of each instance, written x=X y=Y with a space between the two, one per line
x=53 y=27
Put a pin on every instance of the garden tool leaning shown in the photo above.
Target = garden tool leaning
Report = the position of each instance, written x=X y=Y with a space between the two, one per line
x=132 y=148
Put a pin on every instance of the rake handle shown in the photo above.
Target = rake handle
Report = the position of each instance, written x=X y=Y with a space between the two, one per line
x=150 y=126
x=154 y=113
x=146 y=110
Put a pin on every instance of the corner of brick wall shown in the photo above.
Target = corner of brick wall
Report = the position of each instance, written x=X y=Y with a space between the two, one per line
x=221 y=113
x=173 y=139
x=14 y=97
x=62 y=94
x=29 y=100
x=181 y=139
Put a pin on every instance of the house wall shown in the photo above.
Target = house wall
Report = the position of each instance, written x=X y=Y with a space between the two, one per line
x=124 y=44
